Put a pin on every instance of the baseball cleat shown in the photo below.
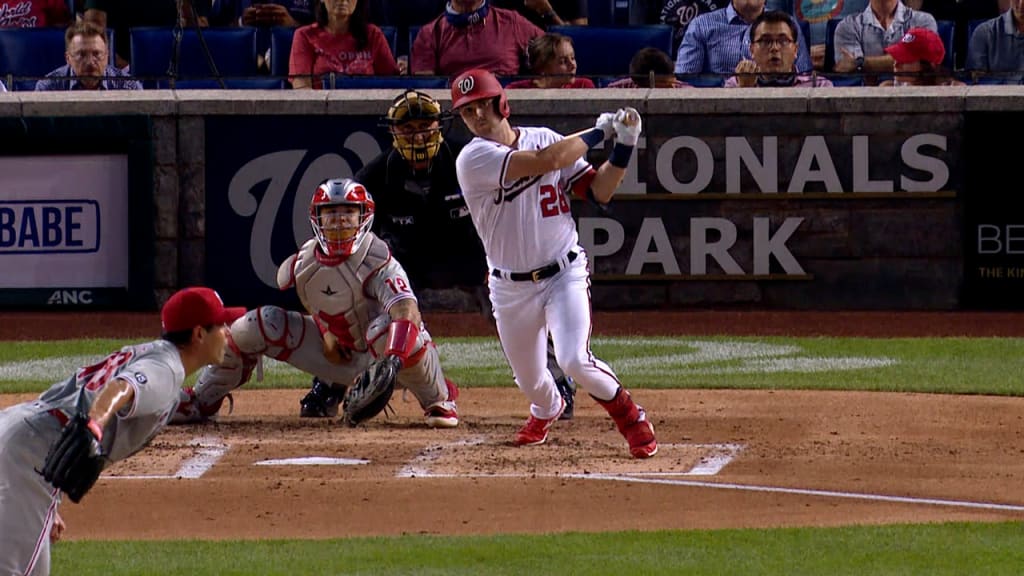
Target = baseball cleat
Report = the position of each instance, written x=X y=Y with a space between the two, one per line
x=321 y=401
x=444 y=414
x=567 y=388
x=535 y=432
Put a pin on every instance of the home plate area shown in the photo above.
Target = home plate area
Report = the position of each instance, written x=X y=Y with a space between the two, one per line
x=394 y=454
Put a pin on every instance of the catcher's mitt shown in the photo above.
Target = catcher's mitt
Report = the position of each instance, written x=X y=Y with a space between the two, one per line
x=76 y=459
x=370 y=393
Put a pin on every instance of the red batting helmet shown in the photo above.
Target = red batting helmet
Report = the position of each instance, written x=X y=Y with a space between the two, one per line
x=477 y=84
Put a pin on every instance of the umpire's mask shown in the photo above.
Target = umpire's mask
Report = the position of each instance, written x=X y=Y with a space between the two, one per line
x=416 y=123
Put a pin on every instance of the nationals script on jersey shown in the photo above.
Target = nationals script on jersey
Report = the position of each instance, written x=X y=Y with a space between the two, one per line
x=345 y=295
x=524 y=224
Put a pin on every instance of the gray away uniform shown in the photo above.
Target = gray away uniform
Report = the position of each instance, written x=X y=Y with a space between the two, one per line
x=28 y=503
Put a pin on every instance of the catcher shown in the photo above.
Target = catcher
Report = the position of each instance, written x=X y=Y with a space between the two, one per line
x=363 y=331
x=103 y=413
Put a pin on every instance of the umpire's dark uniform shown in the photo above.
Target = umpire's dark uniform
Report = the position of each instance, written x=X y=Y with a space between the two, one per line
x=425 y=220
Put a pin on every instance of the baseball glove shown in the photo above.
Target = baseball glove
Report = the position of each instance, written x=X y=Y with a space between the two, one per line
x=76 y=459
x=371 y=392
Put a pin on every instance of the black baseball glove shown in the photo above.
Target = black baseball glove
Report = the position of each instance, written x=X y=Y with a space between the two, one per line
x=75 y=460
x=370 y=393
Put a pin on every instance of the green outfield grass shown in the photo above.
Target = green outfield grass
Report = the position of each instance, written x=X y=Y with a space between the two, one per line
x=927 y=365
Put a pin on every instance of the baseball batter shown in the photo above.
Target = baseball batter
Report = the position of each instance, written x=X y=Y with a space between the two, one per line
x=360 y=307
x=515 y=181
x=127 y=397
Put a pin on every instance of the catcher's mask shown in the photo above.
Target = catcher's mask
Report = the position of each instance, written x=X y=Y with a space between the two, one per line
x=416 y=124
x=478 y=84
x=341 y=232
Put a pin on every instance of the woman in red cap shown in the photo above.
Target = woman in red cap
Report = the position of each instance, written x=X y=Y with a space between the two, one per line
x=918 y=60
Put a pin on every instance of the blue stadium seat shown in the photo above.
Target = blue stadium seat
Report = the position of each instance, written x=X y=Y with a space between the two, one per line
x=258 y=83
x=385 y=82
x=830 y=43
x=805 y=31
x=233 y=51
x=607 y=51
x=946 y=29
x=32 y=53
x=280 y=50
x=391 y=33
x=413 y=31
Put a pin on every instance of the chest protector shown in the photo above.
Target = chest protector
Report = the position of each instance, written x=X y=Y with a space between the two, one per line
x=335 y=293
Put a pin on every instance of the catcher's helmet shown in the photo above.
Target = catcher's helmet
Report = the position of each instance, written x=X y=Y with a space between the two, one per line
x=477 y=84
x=418 y=147
x=337 y=240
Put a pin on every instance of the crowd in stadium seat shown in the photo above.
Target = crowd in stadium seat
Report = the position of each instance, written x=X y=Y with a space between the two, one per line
x=297 y=44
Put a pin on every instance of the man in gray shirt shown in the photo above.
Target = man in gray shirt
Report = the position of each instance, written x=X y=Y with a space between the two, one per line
x=861 y=39
x=997 y=46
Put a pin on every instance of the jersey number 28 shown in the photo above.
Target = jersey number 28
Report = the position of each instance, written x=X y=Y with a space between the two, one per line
x=552 y=201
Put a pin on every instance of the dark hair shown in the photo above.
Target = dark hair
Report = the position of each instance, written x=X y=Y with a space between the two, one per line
x=541 y=50
x=774 y=17
x=85 y=30
x=182 y=338
x=357 y=22
x=647 y=60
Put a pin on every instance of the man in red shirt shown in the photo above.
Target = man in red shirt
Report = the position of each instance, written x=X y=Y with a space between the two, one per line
x=472 y=34
x=34 y=13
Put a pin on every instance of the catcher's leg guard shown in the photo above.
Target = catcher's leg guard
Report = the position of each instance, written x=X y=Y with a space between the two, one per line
x=632 y=423
x=322 y=400
x=422 y=375
x=268 y=330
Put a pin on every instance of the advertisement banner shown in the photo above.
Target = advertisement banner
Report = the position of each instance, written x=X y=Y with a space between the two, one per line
x=260 y=175
x=993 y=225
x=64 y=225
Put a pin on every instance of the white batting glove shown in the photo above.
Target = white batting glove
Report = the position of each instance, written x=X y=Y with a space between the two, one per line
x=627 y=126
x=605 y=123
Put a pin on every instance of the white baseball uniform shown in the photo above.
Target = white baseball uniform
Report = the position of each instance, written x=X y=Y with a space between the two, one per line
x=349 y=298
x=28 y=503
x=528 y=233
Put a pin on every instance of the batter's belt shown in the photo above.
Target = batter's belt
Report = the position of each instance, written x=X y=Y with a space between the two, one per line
x=540 y=273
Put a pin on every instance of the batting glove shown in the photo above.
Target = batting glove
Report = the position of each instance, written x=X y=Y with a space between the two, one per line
x=627 y=133
x=605 y=123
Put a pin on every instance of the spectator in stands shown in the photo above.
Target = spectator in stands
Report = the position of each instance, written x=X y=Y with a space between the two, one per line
x=679 y=13
x=961 y=13
x=546 y=13
x=716 y=42
x=405 y=13
x=817 y=14
x=340 y=41
x=995 y=46
x=123 y=15
x=648 y=62
x=918 y=60
x=472 y=34
x=773 y=44
x=264 y=13
x=34 y=13
x=88 y=66
x=861 y=39
x=553 y=61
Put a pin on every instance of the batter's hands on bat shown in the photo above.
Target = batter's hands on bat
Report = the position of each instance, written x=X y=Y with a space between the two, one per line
x=745 y=71
x=605 y=123
x=627 y=125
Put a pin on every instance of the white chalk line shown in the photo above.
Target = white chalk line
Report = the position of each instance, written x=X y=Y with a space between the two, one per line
x=211 y=449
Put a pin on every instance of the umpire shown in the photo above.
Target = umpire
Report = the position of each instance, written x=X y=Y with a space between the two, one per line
x=421 y=213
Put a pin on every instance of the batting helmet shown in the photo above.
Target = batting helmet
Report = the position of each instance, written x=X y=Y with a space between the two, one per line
x=335 y=238
x=418 y=147
x=477 y=84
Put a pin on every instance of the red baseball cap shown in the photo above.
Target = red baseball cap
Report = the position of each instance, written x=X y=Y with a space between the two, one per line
x=916 y=45
x=196 y=306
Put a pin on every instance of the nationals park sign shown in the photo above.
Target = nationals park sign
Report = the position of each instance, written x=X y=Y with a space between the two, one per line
x=693 y=207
